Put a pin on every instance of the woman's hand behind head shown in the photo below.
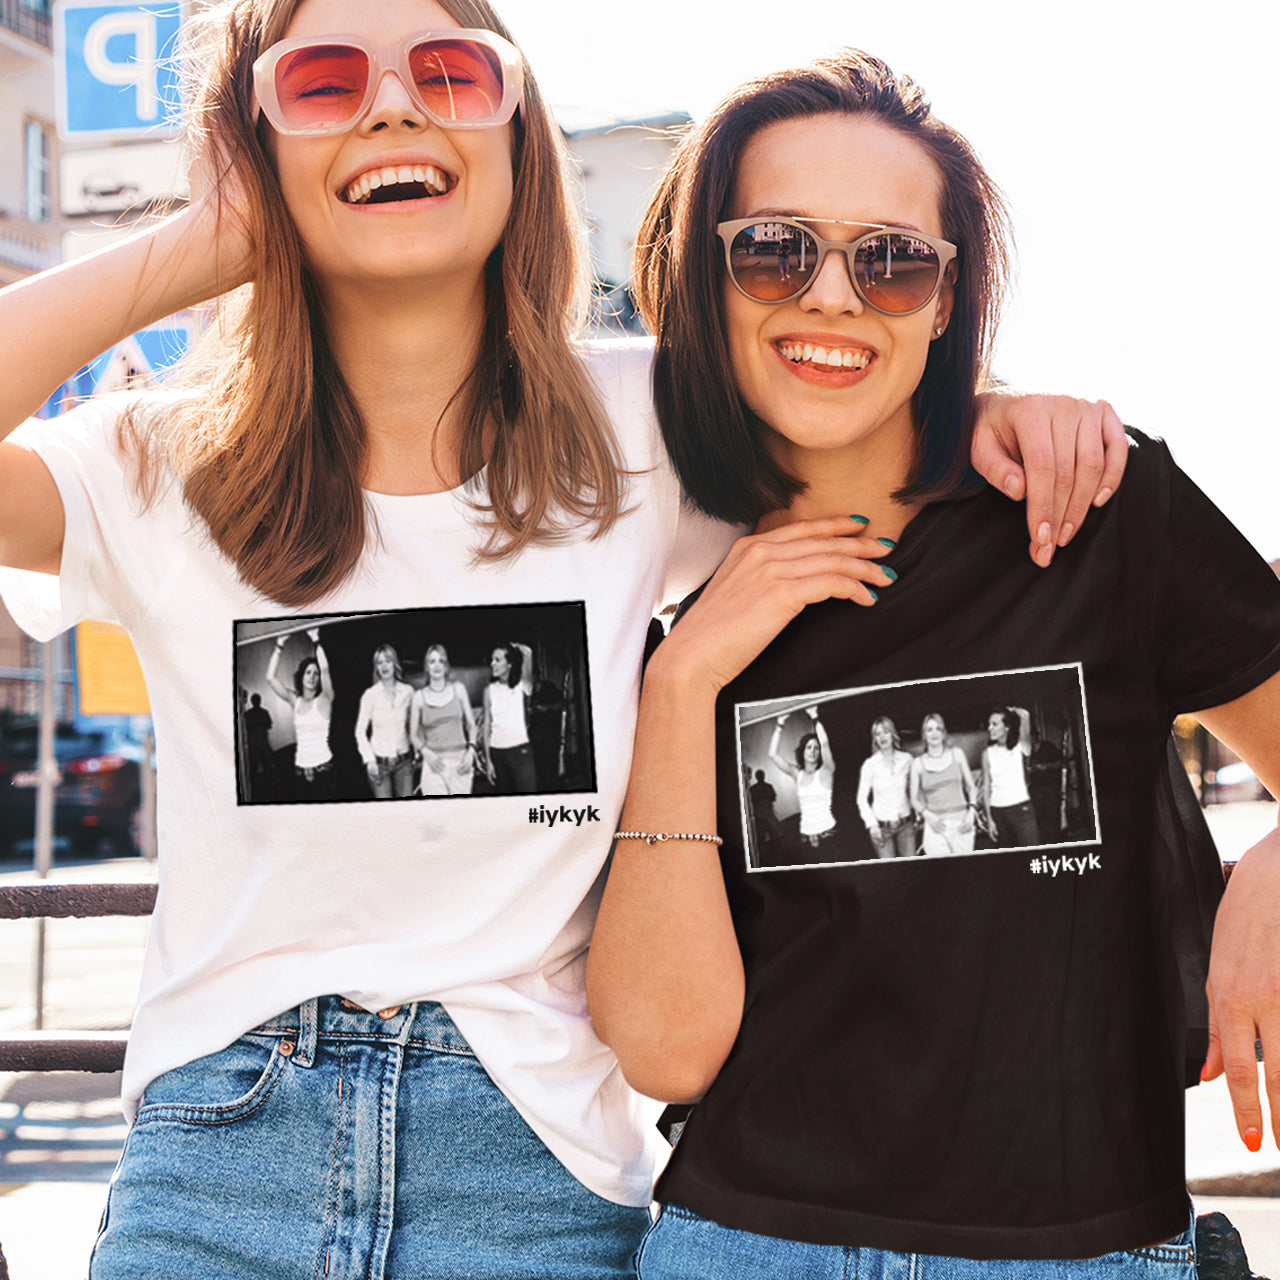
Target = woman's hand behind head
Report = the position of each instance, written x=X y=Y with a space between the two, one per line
x=221 y=221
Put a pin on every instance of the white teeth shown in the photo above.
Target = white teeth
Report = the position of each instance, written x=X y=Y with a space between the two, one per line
x=428 y=175
x=828 y=357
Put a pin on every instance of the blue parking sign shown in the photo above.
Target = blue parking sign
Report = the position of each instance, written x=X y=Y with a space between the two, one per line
x=116 y=67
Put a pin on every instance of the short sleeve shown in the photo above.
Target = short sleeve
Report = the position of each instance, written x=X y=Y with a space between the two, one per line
x=100 y=507
x=694 y=544
x=1216 y=613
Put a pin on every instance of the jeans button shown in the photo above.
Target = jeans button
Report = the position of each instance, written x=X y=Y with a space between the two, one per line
x=384 y=1014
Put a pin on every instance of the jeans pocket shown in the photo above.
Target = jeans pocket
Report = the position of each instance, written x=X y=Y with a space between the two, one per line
x=219 y=1088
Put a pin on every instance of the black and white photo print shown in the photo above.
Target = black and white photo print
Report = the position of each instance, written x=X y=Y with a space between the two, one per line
x=927 y=769
x=414 y=704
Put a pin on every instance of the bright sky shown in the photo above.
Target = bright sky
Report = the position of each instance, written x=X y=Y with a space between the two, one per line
x=1134 y=140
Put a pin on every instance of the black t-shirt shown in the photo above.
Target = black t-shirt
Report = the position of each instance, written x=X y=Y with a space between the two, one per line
x=976 y=1053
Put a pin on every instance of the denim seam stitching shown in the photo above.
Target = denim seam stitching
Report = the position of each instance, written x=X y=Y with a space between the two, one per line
x=212 y=1114
x=335 y=1165
x=373 y=1037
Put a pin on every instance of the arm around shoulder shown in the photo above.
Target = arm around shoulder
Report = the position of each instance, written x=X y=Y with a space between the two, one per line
x=1244 y=966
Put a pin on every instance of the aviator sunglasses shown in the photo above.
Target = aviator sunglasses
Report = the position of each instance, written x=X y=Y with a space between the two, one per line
x=460 y=79
x=893 y=270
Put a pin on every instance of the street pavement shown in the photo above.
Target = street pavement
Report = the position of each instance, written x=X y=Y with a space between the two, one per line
x=60 y=1133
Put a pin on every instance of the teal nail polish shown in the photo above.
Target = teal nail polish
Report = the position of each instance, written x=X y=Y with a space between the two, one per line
x=860 y=519
x=888 y=573
x=888 y=542
x=874 y=598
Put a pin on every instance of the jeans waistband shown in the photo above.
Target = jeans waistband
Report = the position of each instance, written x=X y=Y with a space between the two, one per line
x=334 y=1018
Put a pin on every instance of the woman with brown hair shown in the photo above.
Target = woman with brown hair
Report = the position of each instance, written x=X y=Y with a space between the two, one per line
x=813 y=774
x=352 y=1019
x=311 y=700
x=505 y=752
x=367 y=1023
x=951 y=1068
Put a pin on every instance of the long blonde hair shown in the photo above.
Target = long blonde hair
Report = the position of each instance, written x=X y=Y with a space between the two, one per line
x=268 y=443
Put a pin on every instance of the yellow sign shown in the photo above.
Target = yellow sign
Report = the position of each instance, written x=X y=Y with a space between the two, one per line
x=107 y=672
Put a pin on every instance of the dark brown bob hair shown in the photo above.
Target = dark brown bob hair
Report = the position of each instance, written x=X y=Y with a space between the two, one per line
x=714 y=440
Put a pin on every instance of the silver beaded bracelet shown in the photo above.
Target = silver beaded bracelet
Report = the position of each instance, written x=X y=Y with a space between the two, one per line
x=661 y=837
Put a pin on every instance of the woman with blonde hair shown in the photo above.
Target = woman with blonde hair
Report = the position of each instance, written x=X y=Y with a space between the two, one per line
x=372 y=1030
x=883 y=799
x=444 y=729
x=382 y=727
x=943 y=791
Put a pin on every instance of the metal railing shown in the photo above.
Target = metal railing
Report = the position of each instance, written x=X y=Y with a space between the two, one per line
x=1220 y=1253
x=30 y=21
x=69 y=1050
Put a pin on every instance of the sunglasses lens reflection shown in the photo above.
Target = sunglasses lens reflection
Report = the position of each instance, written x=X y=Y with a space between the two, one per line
x=458 y=79
x=772 y=261
x=896 y=273
x=322 y=85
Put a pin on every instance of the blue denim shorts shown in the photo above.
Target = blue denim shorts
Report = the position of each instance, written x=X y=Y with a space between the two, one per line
x=331 y=1143
x=681 y=1245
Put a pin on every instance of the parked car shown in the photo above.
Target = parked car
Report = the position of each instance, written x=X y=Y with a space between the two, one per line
x=103 y=189
x=96 y=797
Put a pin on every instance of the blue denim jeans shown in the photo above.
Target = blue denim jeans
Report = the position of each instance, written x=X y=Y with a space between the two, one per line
x=331 y=1143
x=681 y=1245
x=897 y=839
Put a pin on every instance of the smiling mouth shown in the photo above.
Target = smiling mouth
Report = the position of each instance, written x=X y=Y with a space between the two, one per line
x=397 y=183
x=819 y=357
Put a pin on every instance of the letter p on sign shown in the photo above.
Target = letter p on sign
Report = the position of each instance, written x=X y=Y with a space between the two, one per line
x=117 y=74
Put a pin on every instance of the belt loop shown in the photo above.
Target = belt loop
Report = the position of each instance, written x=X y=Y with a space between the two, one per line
x=308 y=1032
x=410 y=1016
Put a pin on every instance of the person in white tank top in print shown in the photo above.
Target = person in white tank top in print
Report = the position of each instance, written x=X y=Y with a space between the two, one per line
x=443 y=729
x=942 y=790
x=311 y=698
x=1006 y=759
x=814 y=776
x=505 y=734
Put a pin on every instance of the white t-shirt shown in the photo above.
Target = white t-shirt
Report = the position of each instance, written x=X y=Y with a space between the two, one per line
x=480 y=902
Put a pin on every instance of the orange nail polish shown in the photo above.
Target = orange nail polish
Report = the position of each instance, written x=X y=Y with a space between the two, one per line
x=1253 y=1139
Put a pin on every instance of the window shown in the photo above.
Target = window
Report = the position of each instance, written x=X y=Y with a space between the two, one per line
x=38 y=202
